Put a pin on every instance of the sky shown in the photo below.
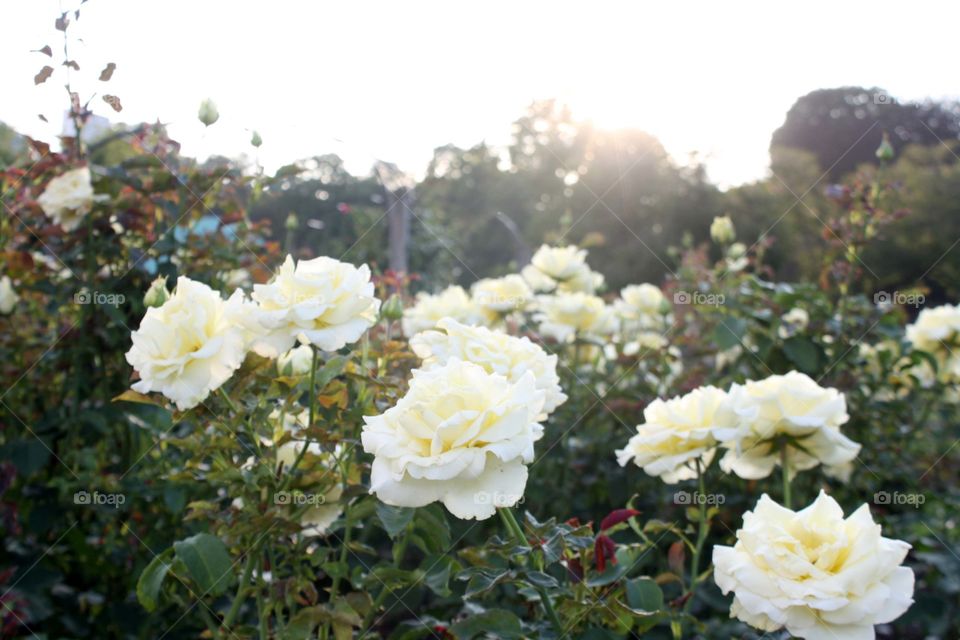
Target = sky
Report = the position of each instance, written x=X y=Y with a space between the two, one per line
x=392 y=81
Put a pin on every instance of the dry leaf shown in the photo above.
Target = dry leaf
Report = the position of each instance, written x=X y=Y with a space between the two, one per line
x=62 y=22
x=114 y=102
x=107 y=72
x=72 y=64
x=42 y=117
x=46 y=50
x=45 y=73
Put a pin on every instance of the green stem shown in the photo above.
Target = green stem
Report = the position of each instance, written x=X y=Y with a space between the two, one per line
x=229 y=401
x=512 y=526
x=335 y=586
x=242 y=588
x=398 y=554
x=288 y=473
x=704 y=529
x=785 y=466
x=261 y=612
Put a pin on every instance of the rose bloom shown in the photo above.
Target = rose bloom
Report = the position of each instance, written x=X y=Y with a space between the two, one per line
x=935 y=329
x=641 y=307
x=793 y=322
x=495 y=351
x=820 y=576
x=428 y=310
x=677 y=433
x=565 y=315
x=190 y=345
x=295 y=362
x=559 y=263
x=538 y=281
x=68 y=198
x=502 y=295
x=461 y=436
x=8 y=297
x=790 y=406
x=323 y=302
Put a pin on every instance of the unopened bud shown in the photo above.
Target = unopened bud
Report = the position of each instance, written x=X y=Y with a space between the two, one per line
x=208 y=113
x=157 y=294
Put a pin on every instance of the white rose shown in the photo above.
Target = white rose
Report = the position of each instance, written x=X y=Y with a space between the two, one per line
x=538 y=281
x=934 y=327
x=566 y=315
x=820 y=576
x=68 y=198
x=8 y=297
x=790 y=407
x=190 y=345
x=793 y=322
x=296 y=362
x=323 y=302
x=495 y=351
x=428 y=310
x=560 y=263
x=722 y=231
x=500 y=295
x=677 y=433
x=461 y=436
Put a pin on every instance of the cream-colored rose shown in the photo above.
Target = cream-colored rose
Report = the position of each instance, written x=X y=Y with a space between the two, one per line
x=428 y=310
x=566 y=315
x=296 y=362
x=323 y=302
x=495 y=351
x=813 y=572
x=560 y=263
x=461 y=436
x=585 y=281
x=8 y=297
x=190 y=345
x=502 y=295
x=722 y=231
x=935 y=329
x=538 y=281
x=677 y=433
x=641 y=307
x=791 y=410
x=793 y=322
x=68 y=198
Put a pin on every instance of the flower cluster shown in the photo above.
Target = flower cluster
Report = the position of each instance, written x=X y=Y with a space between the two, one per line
x=761 y=424
x=937 y=332
x=189 y=345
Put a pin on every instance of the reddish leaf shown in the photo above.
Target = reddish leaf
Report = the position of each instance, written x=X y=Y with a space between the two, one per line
x=616 y=517
x=675 y=557
x=604 y=550
x=46 y=50
x=62 y=22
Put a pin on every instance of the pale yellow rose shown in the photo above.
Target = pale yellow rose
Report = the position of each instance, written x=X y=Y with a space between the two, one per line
x=323 y=302
x=461 y=436
x=502 y=295
x=722 y=230
x=190 y=345
x=567 y=315
x=8 y=297
x=495 y=351
x=792 y=408
x=813 y=572
x=428 y=310
x=68 y=198
x=679 y=433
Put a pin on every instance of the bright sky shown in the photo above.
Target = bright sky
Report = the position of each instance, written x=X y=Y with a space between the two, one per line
x=393 y=80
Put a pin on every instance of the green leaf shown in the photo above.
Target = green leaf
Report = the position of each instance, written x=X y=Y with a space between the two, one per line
x=207 y=562
x=644 y=594
x=496 y=622
x=29 y=456
x=151 y=579
x=729 y=332
x=394 y=519
x=803 y=353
